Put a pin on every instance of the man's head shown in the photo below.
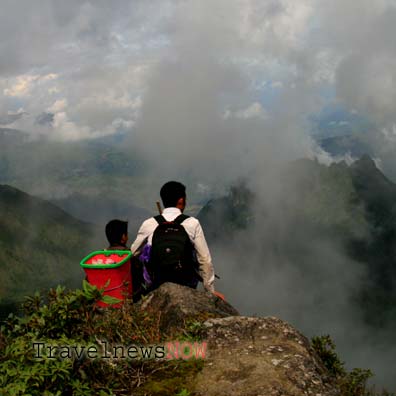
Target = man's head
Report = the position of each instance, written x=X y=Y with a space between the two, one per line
x=173 y=194
x=117 y=232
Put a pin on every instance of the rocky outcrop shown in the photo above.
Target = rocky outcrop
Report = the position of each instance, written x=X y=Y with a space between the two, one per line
x=179 y=303
x=260 y=356
x=246 y=356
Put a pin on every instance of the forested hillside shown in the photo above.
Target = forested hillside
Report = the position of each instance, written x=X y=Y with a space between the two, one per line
x=40 y=245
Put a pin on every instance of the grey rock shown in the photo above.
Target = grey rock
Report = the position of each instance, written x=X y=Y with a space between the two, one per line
x=245 y=356
x=260 y=356
x=180 y=303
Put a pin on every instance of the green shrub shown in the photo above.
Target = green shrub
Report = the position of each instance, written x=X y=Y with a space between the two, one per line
x=353 y=383
x=62 y=318
x=325 y=348
x=72 y=318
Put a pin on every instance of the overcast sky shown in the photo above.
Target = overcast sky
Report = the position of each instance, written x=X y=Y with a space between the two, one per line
x=229 y=79
x=80 y=69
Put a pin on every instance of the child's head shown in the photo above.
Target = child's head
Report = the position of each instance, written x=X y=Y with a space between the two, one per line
x=117 y=232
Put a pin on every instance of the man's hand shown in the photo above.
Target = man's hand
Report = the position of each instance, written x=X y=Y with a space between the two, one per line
x=218 y=294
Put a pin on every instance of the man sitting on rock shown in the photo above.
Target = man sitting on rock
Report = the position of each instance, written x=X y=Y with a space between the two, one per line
x=175 y=244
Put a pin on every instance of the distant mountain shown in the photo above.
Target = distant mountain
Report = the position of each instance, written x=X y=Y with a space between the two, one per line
x=379 y=144
x=56 y=170
x=101 y=208
x=106 y=172
x=222 y=216
x=310 y=194
x=63 y=161
x=10 y=136
x=352 y=206
x=342 y=132
x=40 y=245
x=10 y=139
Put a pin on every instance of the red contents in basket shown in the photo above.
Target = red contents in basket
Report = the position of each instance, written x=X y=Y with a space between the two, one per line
x=115 y=258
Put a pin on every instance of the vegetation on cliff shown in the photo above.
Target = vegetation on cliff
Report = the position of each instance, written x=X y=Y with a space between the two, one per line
x=71 y=318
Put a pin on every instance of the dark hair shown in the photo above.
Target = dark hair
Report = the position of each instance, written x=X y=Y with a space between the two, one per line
x=115 y=229
x=171 y=192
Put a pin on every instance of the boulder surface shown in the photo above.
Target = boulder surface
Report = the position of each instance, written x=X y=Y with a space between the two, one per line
x=178 y=303
x=250 y=356
x=245 y=356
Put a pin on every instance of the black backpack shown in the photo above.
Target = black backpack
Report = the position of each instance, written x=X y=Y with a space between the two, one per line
x=171 y=256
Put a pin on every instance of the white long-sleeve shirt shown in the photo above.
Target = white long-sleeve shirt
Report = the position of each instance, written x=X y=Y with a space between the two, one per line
x=197 y=238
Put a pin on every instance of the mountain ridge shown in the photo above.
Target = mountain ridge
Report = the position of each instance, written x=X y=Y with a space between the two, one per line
x=352 y=208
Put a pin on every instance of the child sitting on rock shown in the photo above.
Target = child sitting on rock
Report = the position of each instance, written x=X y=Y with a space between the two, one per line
x=117 y=235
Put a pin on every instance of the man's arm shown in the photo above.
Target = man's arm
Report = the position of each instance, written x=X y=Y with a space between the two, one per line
x=142 y=236
x=204 y=259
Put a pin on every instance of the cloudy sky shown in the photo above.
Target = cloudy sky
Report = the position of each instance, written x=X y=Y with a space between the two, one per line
x=81 y=69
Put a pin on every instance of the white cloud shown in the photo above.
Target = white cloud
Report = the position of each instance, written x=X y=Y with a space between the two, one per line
x=66 y=130
x=21 y=86
x=255 y=110
x=389 y=133
x=276 y=25
x=120 y=123
x=49 y=77
x=58 y=106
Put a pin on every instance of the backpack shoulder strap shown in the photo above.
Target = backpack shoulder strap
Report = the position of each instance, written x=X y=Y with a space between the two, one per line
x=160 y=219
x=179 y=219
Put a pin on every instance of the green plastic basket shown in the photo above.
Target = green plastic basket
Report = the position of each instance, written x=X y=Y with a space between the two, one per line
x=106 y=253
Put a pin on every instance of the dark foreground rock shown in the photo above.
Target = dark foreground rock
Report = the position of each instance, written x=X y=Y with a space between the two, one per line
x=179 y=303
x=260 y=356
